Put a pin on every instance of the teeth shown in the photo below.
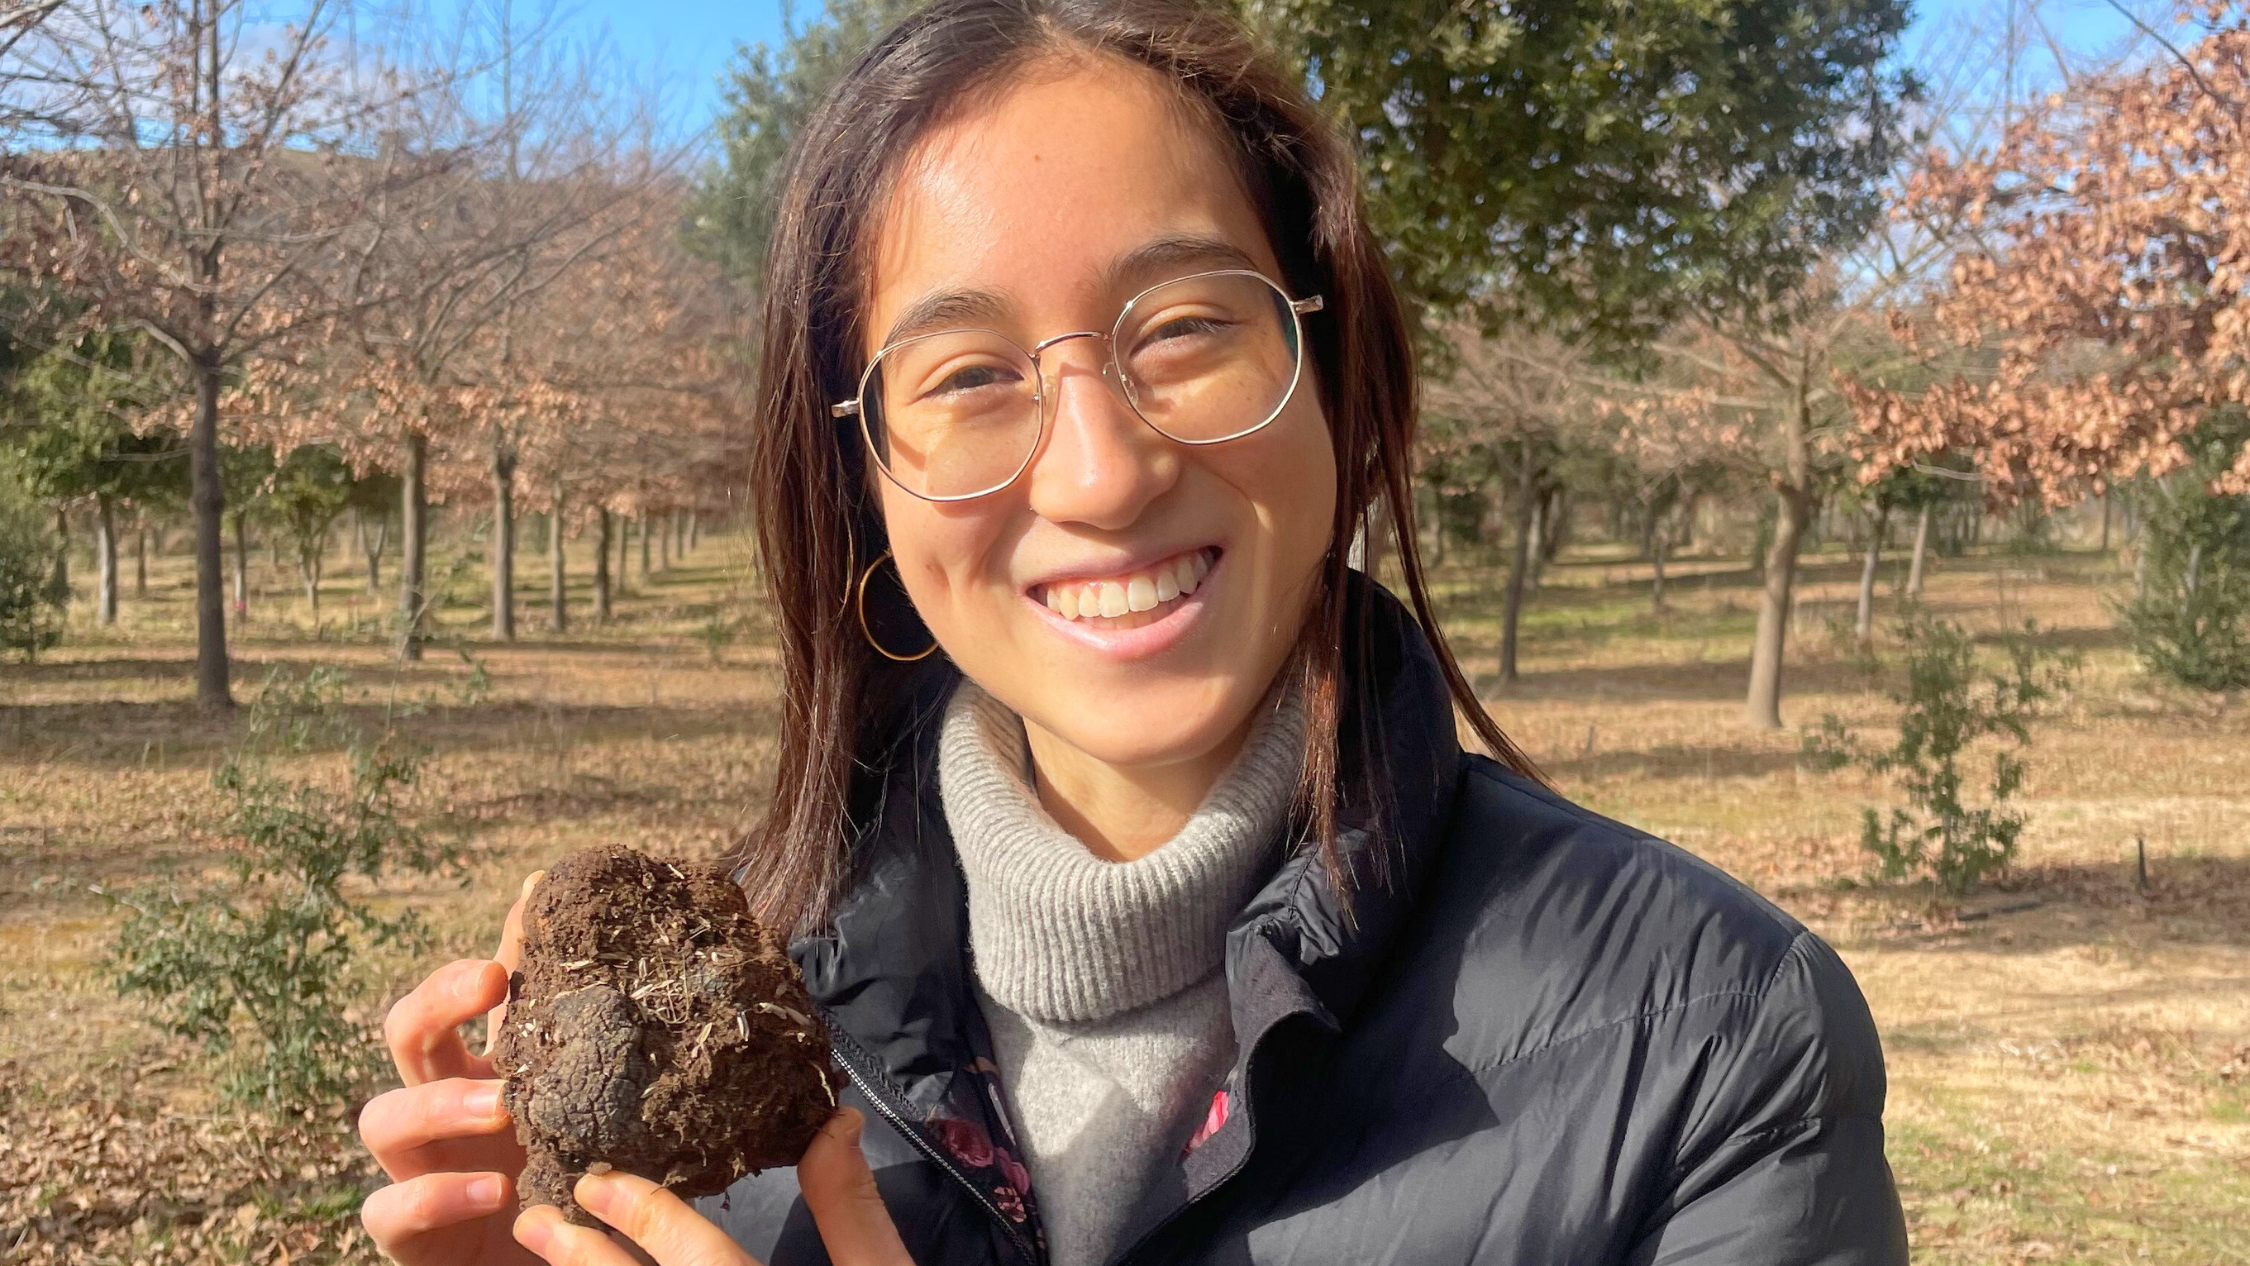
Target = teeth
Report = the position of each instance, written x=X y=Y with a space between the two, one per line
x=1129 y=598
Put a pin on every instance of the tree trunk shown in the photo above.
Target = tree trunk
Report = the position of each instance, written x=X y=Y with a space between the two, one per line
x=641 y=529
x=503 y=543
x=664 y=542
x=621 y=527
x=556 y=593
x=208 y=499
x=602 y=525
x=58 y=581
x=2193 y=580
x=371 y=544
x=1794 y=511
x=241 y=565
x=2105 y=523
x=414 y=537
x=1865 y=629
x=694 y=531
x=105 y=560
x=308 y=567
x=140 y=560
x=1519 y=567
x=1776 y=607
x=1921 y=553
x=1657 y=549
x=679 y=536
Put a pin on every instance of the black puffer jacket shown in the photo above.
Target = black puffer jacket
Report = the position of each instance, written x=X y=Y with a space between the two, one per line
x=1547 y=1039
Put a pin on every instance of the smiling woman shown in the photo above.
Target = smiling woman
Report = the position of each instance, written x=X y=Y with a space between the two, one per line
x=1156 y=913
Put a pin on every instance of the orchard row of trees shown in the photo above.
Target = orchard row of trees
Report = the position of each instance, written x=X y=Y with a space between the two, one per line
x=331 y=266
x=1666 y=255
x=1669 y=256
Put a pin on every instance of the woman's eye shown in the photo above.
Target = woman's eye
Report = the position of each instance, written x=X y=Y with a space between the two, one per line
x=972 y=378
x=1184 y=327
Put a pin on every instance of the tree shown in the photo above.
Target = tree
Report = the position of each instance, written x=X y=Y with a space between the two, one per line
x=1509 y=405
x=2094 y=326
x=31 y=612
x=213 y=182
x=69 y=419
x=307 y=492
x=769 y=93
x=1660 y=158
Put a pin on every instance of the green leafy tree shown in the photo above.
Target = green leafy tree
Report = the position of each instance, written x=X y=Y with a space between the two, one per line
x=309 y=490
x=68 y=428
x=260 y=967
x=31 y=611
x=2189 y=619
x=1608 y=165
x=1946 y=706
x=770 y=91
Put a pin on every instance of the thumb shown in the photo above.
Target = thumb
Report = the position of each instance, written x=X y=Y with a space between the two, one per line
x=840 y=1191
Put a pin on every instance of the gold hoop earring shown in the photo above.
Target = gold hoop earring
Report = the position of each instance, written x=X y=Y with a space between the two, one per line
x=860 y=604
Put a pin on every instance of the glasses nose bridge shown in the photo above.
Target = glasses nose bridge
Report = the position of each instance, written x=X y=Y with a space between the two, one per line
x=1108 y=366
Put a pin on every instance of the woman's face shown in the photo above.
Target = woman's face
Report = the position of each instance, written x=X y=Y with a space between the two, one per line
x=1043 y=211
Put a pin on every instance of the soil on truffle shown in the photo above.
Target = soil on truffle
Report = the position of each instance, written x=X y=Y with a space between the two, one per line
x=655 y=1027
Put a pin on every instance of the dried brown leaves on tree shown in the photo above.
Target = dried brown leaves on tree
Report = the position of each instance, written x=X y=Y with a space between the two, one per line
x=2096 y=312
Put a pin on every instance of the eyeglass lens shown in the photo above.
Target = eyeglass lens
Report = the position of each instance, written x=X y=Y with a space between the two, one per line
x=1203 y=359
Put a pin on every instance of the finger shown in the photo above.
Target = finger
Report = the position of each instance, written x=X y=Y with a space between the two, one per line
x=665 y=1226
x=432 y=1202
x=542 y=1230
x=840 y=1190
x=423 y=1028
x=399 y=1126
x=510 y=954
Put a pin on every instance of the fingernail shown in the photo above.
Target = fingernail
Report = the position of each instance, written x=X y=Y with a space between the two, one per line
x=482 y=1100
x=531 y=881
x=535 y=1227
x=484 y=1192
x=471 y=985
x=594 y=1191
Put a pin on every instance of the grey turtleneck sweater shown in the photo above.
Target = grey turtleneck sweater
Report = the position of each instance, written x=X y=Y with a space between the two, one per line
x=1101 y=981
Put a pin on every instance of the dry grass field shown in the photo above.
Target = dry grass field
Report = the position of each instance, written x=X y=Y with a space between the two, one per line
x=2069 y=1048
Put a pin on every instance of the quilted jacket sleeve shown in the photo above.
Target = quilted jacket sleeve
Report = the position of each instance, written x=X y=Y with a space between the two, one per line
x=1781 y=1160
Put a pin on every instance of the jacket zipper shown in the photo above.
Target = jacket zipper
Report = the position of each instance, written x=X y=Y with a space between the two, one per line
x=898 y=1123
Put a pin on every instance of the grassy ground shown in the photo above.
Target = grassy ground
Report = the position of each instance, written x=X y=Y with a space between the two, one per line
x=2069 y=1050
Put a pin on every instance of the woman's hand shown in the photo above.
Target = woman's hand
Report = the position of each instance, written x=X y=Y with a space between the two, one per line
x=838 y=1188
x=443 y=1137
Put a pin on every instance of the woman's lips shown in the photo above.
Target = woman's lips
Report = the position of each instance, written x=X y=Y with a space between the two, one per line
x=1135 y=634
x=1130 y=599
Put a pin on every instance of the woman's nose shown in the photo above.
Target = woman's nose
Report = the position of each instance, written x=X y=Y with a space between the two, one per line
x=1099 y=465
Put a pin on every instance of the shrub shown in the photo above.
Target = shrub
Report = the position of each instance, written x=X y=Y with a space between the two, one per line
x=1947 y=704
x=31 y=610
x=260 y=967
x=2190 y=620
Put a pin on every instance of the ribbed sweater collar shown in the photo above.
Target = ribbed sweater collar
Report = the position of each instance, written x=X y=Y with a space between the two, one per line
x=1060 y=935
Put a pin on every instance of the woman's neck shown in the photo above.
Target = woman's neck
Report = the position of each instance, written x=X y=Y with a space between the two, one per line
x=1123 y=813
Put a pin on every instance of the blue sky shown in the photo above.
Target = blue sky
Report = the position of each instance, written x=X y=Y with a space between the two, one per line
x=691 y=41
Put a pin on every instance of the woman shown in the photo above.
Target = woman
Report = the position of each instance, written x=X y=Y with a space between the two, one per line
x=1154 y=908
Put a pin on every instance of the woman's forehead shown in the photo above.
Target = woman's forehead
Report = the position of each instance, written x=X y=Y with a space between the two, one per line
x=1072 y=187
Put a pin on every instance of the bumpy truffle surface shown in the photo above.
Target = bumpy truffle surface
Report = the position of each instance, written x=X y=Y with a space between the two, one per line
x=654 y=1027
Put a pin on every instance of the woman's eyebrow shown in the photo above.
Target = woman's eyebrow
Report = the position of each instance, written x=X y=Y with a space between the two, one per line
x=945 y=309
x=1163 y=257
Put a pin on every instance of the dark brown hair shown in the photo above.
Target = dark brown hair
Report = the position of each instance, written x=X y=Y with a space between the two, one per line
x=817 y=523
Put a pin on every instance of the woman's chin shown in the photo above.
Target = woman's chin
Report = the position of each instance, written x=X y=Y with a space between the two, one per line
x=1159 y=728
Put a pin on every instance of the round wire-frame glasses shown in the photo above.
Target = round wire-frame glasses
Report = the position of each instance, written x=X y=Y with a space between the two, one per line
x=1196 y=305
